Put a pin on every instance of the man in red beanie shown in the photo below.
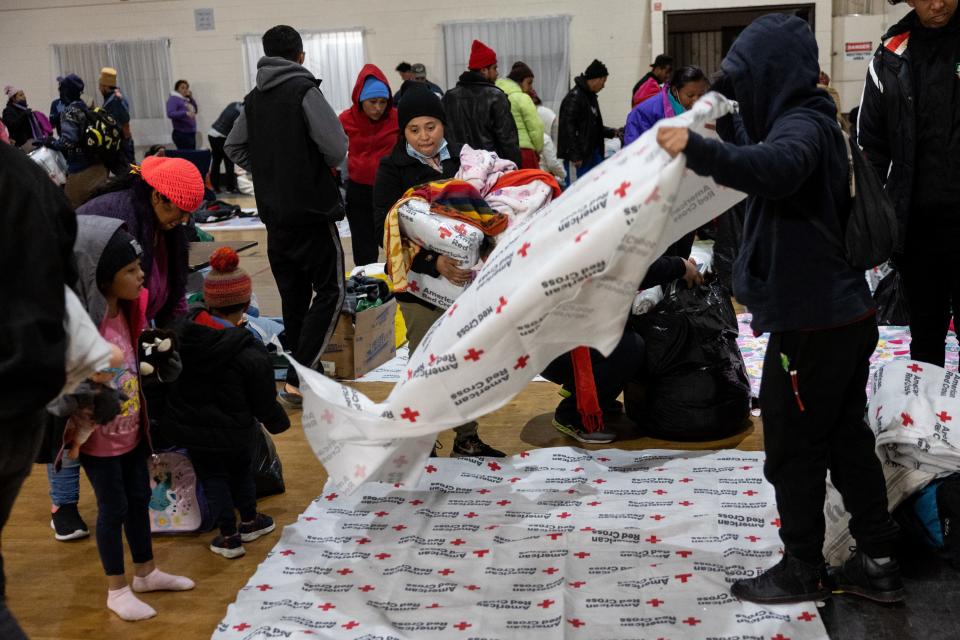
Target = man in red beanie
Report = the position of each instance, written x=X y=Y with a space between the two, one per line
x=478 y=113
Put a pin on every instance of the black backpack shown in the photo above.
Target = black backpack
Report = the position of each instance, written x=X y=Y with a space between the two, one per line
x=102 y=135
x=871 y=230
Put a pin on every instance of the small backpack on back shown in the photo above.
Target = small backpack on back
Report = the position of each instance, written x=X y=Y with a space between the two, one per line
x=102 y=135
x=871 y=233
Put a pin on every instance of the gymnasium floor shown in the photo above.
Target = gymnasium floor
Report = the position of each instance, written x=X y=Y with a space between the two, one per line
x=57 y=590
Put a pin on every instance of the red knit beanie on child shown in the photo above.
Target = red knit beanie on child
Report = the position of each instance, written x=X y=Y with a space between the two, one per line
x=481 y=56
x=177 y=179
x=227 y=284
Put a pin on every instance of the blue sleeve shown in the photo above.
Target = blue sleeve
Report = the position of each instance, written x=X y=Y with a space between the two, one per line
x=632 y=131
x=176 y=108
x=774 y=169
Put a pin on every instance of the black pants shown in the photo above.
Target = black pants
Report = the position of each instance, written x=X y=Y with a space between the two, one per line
x=363 y=231
x=610 y=374
x=122 y=487
x=832 y=368
x=932 y=287
x=186 y=141
x=19 y=443
x=229 y=181
x=307 y=264
x=228 y=483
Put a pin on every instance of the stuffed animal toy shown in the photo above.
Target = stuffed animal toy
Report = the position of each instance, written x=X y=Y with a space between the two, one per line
x=159 y=359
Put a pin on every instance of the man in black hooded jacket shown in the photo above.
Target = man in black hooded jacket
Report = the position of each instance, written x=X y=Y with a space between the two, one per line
x=909 y=128
x=790 y=157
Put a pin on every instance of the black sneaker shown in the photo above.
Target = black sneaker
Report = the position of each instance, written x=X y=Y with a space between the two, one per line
x=67 y=523
x=474 y=447
x=574 y=429
x=862 y=576
x=261 y=526
x=229 y=547
x=791 y=580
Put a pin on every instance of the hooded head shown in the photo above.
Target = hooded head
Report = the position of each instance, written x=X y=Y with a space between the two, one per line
x=94 y=234
x=767 y=85
x=371 y=84
x=71 y=87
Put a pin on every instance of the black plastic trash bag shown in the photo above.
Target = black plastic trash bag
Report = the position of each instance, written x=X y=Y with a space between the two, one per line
x=892 y=309
x=267 y=468
x=695 y=384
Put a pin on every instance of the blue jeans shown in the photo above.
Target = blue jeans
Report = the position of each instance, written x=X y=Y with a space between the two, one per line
x=65 y=484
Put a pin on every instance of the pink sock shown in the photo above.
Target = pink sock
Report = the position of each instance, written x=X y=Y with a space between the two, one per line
x=157 y=580
x=128 y=606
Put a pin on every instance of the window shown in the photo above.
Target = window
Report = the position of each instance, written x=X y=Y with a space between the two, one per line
x=543 y=43
x=335 y=57
x=143 y=71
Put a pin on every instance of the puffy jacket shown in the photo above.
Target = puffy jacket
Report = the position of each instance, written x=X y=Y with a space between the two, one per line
x=529 y=125
x=226 y=388
x=887 y=123
x=648 y=113
x=791 y=159
x=224 y=122
x=581 y=130
x=478 y=114
x=369 y=141
x=178 y=110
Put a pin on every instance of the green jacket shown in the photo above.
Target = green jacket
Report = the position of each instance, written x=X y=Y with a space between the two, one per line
x=529 y=124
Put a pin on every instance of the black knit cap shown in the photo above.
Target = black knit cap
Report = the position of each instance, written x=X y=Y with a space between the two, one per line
x=596 y=70
x=418 y=100
x=121 y=250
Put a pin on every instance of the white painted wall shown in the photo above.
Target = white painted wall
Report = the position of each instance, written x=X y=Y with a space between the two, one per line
x=616 y=31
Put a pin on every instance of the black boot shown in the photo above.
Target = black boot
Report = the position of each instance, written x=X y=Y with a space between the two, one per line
x=862 y=576
x=791 y=580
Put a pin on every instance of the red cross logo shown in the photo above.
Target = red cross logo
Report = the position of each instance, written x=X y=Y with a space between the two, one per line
x=363 y=541
x=580 y=235
x=445 y=233
x=243 y=626
x=691 y=621
x=746 y=468
x=686 y=503
x=409 y=414
x=546 y=604
x=685 y=480
x=432 y=358
x=751 y=538
x=493 y=466
x=503 y=303
x=452 y=309
x=461 y=229
x=327 y=416
x=483 y=492
x=470 y=515
x=655 y=602
x=430 y=468
x=418 y=502
x=458 y=542
x=654 y=540
x=907 y=420
x=806 y=616
x=576 y=622
x=381 y=514
x=524 y=454
x=594 y=504
x=554 y=536
x=599 y=481
x=550 y=571
x=657 y=517
x=349 y=626
x=504 y=503
x=776 y=523
x=654 y=196
x=344 y=572
x=382 y=556
x=331 y=497
x=915 y=368
x=522 y=364
x=359 y=471
x=587 y=529
x=309 y=518
x=522 y=251
x=473 y=354
x=288 y=552
x=750 y=493
x=684 y=554
x=582 y=555
x=779 y=636
x=446 y=572
x=400 y=527
x=399 y=461
x=463 y=625
x=683 y=577
x=367 y=588
x=433 y=606
x=326 y=606
x=577 y=584
x=660 y=492
x=603 y=459
x=563 y=516
x=944 y=416
x=622 y=189
x=413 y=286
x=472 y=587
x=513 y=480
x=264 y=587
x=481 y=552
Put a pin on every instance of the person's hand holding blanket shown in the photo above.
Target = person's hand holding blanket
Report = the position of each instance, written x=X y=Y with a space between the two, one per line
x=673 y=139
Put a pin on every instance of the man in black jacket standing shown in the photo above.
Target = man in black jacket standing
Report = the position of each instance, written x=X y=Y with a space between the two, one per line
x=581 y=131
x=790 y=157
x=36 y=221
x=909 y=128
x=478 y=113
x=289 y=137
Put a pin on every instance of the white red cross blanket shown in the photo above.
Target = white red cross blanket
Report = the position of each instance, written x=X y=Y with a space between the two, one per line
x=561 y=278
x=552 y=543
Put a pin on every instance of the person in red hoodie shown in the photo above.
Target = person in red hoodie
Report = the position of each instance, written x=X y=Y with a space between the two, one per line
x=371 y=127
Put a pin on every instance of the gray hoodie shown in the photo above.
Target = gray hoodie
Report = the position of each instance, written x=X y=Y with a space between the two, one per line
x=322 y=122
x=93 y=234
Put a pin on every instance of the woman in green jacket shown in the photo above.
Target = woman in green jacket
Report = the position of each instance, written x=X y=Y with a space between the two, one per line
x=517 y=85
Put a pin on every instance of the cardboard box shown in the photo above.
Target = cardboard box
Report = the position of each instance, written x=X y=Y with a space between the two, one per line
x=363 y=342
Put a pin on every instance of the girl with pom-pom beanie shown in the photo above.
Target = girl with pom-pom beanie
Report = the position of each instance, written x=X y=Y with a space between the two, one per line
x=216 y=407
